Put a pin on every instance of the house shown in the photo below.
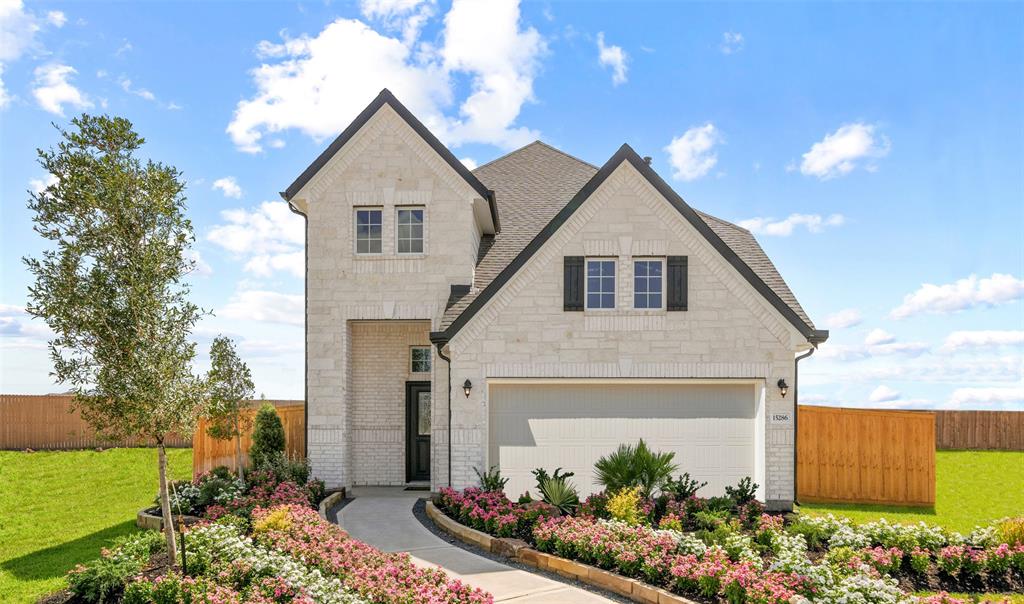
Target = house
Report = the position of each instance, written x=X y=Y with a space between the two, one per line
x=536 y=311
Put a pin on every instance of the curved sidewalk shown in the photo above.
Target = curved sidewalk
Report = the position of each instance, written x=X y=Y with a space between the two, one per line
x=382 y=517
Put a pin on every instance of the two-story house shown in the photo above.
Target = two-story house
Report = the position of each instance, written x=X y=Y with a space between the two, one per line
x=534 y=312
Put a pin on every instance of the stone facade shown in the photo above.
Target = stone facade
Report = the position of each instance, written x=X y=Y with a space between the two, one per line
x=364 y=312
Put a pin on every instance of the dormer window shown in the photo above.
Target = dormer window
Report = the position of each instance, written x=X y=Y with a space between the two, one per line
x=410 y=231
x=369 y=230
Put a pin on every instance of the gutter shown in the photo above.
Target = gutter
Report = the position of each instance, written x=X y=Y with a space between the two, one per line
x=440 y=344
x=796 y=413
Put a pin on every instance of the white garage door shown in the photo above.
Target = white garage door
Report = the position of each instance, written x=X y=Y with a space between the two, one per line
x=710 y=427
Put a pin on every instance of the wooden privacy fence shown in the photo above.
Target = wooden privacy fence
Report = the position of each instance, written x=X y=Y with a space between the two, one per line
x=865 y=456
x=997 y=430
x=208 y=453
x=47 y=422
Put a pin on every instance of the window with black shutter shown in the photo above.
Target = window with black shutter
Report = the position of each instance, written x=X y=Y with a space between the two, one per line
x=676 y=282
x=573 y=288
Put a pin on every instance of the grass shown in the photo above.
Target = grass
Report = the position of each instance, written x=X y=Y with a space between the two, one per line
x=58 y=508
x=972 y=488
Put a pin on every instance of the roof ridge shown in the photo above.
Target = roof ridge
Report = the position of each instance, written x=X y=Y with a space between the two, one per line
x=536 y=142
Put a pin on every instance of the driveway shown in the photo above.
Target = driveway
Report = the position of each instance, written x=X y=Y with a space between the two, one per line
x=382 y=517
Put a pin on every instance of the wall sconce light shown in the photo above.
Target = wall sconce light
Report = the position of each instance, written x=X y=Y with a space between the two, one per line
x=466 y=387
x=783 y=387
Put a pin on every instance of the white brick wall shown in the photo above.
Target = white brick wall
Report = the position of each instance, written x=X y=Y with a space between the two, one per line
x=728 y=331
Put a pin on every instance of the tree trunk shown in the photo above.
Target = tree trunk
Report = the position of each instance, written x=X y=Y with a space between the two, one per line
x=238 y=451
x=165 y=503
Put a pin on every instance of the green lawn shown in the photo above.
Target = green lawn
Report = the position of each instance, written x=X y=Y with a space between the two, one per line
x=971 y=488
x=58 y=509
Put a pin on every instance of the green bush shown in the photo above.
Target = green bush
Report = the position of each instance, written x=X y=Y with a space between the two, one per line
x=285 y=468
x=267 y=436
x=682 y=487
x=491 y=480
x=103 y=579
x=635 y=466
x=560 y=493
x=743 y=492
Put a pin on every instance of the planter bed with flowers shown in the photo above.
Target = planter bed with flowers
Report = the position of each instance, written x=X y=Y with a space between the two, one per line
x=261 y=542
x=728 y=550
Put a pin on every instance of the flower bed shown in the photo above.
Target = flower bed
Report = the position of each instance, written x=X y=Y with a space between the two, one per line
x=727 y=554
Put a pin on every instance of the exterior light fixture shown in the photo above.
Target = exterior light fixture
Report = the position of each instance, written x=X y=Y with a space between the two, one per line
x=466 y=387
x=783 y=387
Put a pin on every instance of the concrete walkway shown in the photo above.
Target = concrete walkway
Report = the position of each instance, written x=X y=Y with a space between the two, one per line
x=382 y=517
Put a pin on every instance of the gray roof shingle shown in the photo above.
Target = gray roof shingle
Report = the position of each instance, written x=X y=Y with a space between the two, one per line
x=532 y=184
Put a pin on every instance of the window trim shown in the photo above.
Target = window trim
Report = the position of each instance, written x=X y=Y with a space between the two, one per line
x=423 y=234
x=355 y=229
x=664 y=296
x=586 y=283
x=412 y=360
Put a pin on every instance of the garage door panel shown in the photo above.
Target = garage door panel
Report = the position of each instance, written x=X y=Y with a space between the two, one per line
x=708 y=427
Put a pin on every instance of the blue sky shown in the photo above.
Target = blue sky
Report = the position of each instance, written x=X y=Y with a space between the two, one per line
x=876 y=151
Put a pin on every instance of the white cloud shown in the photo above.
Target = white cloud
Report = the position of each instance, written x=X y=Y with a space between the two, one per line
x=408 y=16
x=732 y=42
x=925 y=369
x=815 y=223
x=228 y=186
x=38 y=185
x=265 y=306
x=53 y=89
x=883 y=394
x=18 y=329
x=960 y=295
x=56 y=18
x=1005 y=398
x=877 y=343
x=692 y=153
x=126 y=85
x=878 y=336
x=305 y=86
x=469 y=162
x=269 y=237
x=982 y=339
x=848 y=317
x=5 y=99
x=614 y=57
x=839 y=153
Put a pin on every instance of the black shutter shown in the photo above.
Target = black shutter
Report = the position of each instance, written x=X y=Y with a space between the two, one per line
x=676 y=282
x=573 y=289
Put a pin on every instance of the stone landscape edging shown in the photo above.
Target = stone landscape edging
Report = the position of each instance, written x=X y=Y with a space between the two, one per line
x=329 y=502
x=154 y=522
x=519 y=550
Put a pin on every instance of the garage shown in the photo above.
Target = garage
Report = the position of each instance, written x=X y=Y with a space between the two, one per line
x=715 y=428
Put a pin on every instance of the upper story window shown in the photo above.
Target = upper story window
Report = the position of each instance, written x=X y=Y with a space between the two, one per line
x=369 y=231
x=420 y=359
x=600 y=283
x=410 y=231
x=648 y=289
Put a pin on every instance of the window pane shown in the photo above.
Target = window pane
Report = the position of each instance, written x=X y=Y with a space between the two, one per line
x=416 y=246
x=403 y=246
x=404 y=231
x=416 y=231
x=423 y=414
x=362 y=246
x=607 y=300
x=593 y=269
x=375 y=217
x=374 y=246
x=640 y=285
x=654 y=300
x=655 y=269
x=639 y=301
x=416 y=216
x=641 y=269
x=593 y=300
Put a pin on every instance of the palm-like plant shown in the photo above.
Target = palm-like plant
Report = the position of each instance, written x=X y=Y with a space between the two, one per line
x=560 y=493
x=635 y=466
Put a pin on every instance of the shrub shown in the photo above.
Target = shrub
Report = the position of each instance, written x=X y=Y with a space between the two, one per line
x=542 y=475
x=682 y=487
x=1011 y=531
x=595 y=506
x=267 y=436
x=920 y=560
x=278 y=520
x=635 y=466
x=743 y=492
x=560 y=493
x=491 y=480
x=624 y=506
x=103 y=579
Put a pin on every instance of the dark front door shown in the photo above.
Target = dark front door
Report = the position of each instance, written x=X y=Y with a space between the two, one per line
x=417 y=431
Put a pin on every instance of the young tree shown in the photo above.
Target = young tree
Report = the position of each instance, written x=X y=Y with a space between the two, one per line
x=111 y=287
x=268 y=439
x=230 y=386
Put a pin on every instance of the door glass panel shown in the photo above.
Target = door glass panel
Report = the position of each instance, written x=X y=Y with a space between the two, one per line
x=423 y=413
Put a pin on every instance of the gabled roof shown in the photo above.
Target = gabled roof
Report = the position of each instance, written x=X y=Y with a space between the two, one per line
x=386 y=98
x=533 y=184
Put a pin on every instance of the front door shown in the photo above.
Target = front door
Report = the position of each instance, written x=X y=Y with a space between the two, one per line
x=417 y=431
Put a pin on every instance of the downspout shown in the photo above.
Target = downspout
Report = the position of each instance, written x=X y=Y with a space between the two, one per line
x=796 y=415
x=305 y=325
x=447 y=360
